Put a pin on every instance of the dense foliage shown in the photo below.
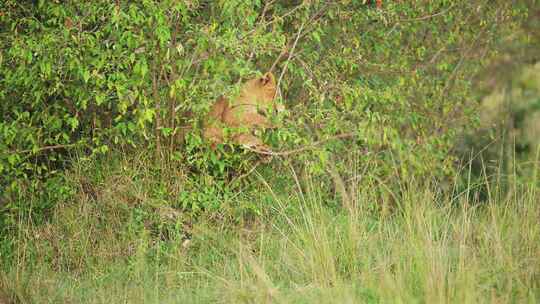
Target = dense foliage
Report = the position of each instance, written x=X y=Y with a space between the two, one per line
x=82 y=77
x=405 y=168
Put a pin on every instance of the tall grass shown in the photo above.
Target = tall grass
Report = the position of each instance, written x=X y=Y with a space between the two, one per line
x=433 y=247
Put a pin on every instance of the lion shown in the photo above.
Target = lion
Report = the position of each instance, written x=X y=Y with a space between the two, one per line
x=244 y=114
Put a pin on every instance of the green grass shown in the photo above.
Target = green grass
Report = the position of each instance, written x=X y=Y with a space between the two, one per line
x=116 y=241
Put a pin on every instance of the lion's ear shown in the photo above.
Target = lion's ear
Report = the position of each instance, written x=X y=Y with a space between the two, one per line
x=267 y=78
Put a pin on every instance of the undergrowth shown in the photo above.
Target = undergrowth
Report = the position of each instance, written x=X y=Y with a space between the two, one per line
x=119 y=238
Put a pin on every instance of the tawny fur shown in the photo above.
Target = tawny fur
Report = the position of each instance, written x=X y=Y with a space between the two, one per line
x=243 y=114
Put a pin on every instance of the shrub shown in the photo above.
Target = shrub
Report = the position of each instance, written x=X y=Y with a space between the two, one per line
x=91 y=76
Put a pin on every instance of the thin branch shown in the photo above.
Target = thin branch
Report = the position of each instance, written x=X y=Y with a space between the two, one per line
x=428 y=16
x=46 y=148
x=339 y=184
x=261 y=20
x=290 y=54
x=304 y=148
x=239 y=178
x=311 y=21
x=460 y=62
x=273 y=20
x=283 y=52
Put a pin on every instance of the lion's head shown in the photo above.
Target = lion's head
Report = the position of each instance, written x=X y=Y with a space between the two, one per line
x=244 y=113
x=260 y=91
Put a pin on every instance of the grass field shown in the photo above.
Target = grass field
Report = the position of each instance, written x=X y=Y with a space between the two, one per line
x=116 y=243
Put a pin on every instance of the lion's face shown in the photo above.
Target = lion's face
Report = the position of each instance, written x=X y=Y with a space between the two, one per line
x=261 y=91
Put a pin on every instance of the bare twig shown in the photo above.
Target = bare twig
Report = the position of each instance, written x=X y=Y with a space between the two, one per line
x=288 y=46
x=339 y=184
x=283 y=52
x=304 y=148
x=460 y=62
x=274 y=20
x=428 y=16
x=174 y=75
x=261 y=20
x=46 y=148
x=290 y=54
x=239 y=178
x=155 y=94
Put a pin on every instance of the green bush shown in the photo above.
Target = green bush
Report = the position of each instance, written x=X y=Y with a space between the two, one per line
x=85 y=77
